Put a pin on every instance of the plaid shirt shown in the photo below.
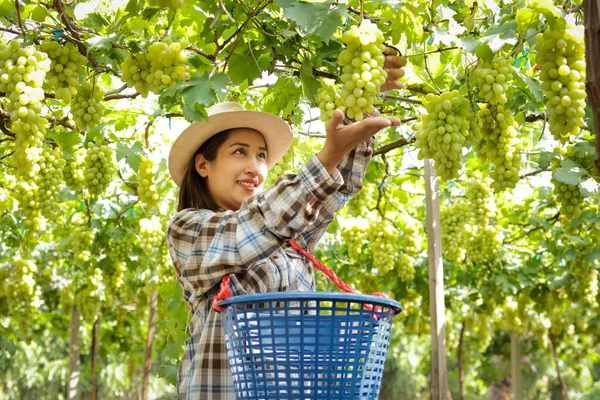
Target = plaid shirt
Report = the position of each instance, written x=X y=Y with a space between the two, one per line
x=252 y=245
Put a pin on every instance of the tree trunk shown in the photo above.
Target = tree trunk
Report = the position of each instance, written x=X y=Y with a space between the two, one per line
x=515 y=365
x=561 y=382
x=149 y=340
x=461 y=371
x=74 y=353
x=591 y=12
x=95 y=339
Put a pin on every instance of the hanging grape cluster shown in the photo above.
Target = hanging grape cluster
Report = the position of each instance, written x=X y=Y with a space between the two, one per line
x=81 y=244
x=569 y=197
x=328 y=101
x=485 y=244
x=353 y=236
x=283 y=166
x=49 y=179
x=383 y=242
x=74 y=171
x=444 y=130
x=22 y=73
x=500 y=145
x=493 y=80
x=362 y=68
x=147 y=185
x=482 y=200
x=152 y=234
x=119 y=250
x=89 y=298
x=67 y=64
x=27 y=195
x=21 y=284
x=115 y=280
x=456 y=230
x=100 y=167
x=86 y=106
x=561 y=58
x=161 y=67
x=410 y=247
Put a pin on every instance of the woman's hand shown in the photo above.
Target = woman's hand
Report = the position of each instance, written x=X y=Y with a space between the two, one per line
x=341 y=139
x=393 y=65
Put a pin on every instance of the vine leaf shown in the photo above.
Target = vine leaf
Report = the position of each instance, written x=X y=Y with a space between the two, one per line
x=570 y=172
x=321 y=19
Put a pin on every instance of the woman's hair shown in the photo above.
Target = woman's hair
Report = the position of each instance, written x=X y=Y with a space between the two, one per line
x=193 y=192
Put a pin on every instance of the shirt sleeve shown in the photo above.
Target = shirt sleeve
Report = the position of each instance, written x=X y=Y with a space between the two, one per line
x=352 y=170
x=207 y=245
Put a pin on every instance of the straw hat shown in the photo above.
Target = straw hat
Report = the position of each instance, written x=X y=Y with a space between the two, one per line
x=223 y=116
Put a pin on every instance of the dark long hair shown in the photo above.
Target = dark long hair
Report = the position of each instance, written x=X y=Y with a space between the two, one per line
x=193 y=192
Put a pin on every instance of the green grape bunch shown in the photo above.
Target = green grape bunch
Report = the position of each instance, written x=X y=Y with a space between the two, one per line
x=354 y=235
x=74 y=172
x=120 y=250
x=27 y=195
x=328 y=100
x=480 y=196
x=162 y=66
x=362 y=68
x=152 y=234
x=22 y=73
x=283 y=166
x=147 y=185
x=500 y=145
x=493 y=80
x=383 y=242
x=67 y=64
x=456 y=230
x=82 y=243
x=561 y=58
x=444 y=130
x=89 y=298
x=50 y=179
x=569 y=197
x=485 y=244
x=100 y=167
x=86 y=106
x=405 y=267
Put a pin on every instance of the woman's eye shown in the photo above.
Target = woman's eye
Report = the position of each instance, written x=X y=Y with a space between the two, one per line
x=240 y=151
x=262 y=156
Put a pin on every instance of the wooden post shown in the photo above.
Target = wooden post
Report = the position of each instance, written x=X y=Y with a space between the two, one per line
x=95 y=339
x=439 y=372
x=74 y=353
x=591 y=18
x=515 y=366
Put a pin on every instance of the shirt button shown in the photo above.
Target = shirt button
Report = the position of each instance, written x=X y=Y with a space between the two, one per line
x=274 y=257
x=317 y=180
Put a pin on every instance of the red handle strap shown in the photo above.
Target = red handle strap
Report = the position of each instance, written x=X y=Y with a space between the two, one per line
x=225 y=292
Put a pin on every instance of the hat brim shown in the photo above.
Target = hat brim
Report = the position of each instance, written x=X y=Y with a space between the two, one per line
x=277 y=133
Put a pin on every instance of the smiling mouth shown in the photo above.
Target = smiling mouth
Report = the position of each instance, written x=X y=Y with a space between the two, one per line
x=247 y=184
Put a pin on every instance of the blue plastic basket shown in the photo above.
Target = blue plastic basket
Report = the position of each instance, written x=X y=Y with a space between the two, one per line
x=307 y=345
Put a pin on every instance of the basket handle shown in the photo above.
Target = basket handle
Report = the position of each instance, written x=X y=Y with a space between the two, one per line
x=225 y=291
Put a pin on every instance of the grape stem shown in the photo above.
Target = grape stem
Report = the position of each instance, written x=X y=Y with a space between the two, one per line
x=399 y=98
x=19 y=18
x=389 y=147
x=537 y=171
x=553 y=219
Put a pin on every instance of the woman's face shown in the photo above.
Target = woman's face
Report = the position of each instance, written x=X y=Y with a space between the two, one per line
x=239 y=170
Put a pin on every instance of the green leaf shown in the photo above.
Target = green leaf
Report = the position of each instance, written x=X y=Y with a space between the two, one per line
x=583 y=149
x=529 y=84
x=281 y=98
x=569 y=173
x=310 y=85
x=484 y=52
x=546 y=158
x=38 y=14
x=554 y=15
x=321 y=19
x=593 y=256
x=98 y=42
x=204 y=90
x=97 y=20
x=497 y=36
x=243 y=65
x=67 y=140
x=194 y=112
x=130 y=154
